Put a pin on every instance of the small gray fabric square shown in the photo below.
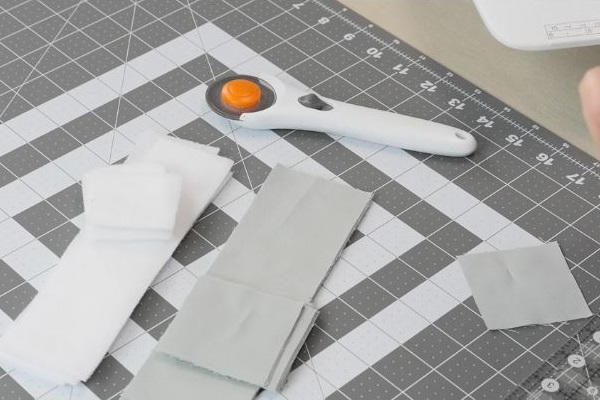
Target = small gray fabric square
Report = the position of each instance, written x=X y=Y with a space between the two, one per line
x=523 y=286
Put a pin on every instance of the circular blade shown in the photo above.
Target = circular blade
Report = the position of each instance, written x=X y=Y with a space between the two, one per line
x=213 y=96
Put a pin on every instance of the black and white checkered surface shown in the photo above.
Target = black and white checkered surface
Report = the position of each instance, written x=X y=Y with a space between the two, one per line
x=79 y=81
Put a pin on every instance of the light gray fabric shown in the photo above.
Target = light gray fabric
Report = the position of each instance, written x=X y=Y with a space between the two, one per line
x=247 y=318
x=165 y=378
x=291 y=236
x=232 y=329
x=303 y=326
x=523 y=286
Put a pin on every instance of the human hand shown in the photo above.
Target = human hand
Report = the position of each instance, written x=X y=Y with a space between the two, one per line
x=589 y=91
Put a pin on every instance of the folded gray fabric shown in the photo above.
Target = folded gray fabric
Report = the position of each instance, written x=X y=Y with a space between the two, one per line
x=246 y=319
x=524 y=286
x=291 y=236
x=163 y=377
x=232 y=329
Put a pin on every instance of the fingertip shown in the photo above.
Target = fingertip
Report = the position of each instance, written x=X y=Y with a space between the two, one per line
x=590 y=83
x=589 y=91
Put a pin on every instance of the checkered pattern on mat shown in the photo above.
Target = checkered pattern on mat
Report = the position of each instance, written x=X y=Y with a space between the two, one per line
x=79 y=80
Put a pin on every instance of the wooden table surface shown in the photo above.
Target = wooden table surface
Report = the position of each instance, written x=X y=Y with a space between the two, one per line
x=542 y=85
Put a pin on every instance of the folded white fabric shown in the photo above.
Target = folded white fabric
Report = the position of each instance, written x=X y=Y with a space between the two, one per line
x=147 y=139
x=246 y=319
x=66 y=330
x=135 y=201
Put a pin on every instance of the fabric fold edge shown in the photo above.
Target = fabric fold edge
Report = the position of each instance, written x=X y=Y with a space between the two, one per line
x=222 y=322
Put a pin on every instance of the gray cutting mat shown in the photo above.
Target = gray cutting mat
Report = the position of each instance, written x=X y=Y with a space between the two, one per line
x=573 y=372
x=80 y=81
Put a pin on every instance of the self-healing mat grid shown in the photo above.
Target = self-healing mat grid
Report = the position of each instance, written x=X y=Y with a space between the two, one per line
x=81 y=79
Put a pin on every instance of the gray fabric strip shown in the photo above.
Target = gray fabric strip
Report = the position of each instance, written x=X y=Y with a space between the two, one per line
x=164 y=377
x=281 y=251
x=305 y=323
x=292 y=235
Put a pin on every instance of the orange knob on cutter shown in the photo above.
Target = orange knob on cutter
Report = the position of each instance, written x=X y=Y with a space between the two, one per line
x=240 y=94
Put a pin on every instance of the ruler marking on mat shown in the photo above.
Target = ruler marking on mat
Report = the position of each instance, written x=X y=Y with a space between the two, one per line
x=419 y=63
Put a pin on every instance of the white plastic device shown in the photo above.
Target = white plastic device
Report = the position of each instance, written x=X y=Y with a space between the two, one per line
x=294 y=108
x=542 y=24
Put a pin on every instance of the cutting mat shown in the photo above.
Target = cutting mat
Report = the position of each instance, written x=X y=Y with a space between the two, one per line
x=572 y=372
x=81 y=81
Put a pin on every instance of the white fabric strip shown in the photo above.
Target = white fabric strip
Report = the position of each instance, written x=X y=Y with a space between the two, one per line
x=245 y=321
x=66 y=330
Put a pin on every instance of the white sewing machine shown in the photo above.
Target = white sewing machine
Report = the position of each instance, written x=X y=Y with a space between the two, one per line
x=542 y=24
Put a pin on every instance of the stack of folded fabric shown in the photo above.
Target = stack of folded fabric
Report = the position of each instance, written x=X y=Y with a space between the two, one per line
x=247 y=317
x=136 y=214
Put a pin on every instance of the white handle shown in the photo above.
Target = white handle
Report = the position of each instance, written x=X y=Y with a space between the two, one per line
x=392 y=129
x=361 y=123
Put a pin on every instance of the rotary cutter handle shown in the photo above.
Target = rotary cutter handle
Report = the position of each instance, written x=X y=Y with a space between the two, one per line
x=265 y=102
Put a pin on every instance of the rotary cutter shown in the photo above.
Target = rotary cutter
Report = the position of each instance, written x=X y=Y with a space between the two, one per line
x=265 y=102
